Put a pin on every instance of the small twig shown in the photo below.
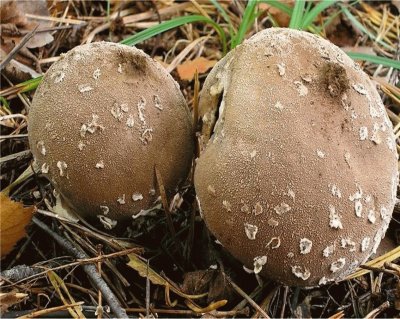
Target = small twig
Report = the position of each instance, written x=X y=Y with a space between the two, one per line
x=246 y=296
x=18 y=47
x=218 y=314
x=375 y=269
x=164 y=201
x=47 y=311
x=378 y=310
x=90 y=270
x=285 y=293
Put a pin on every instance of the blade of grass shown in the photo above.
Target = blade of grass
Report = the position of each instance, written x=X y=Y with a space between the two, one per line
x=176 y=22
x=310 y=16
x=226 y=17
x=248 y=18
x=375 y=59
x=356 y=23
x=297 y=14
x=279 y=5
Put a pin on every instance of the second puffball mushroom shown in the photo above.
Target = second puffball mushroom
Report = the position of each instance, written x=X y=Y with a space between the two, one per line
x=103 y=118
x=299 y=178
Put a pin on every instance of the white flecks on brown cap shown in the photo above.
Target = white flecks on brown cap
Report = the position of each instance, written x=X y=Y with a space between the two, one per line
x=301 y=272
x=251 y=231
x=121 y=199
x=62 y=166
x=334 y=218
x=338 y=265
x=41 y=147
x=258 y=209
x=282 y=208
x=365 y=243
x=137 y=196
x=259 y=262
x=108 y=223
x=45 y=168
x=100 y=164
x=86 y=111
x=274 y=243
x=104 y=209
x=323 y=110
x=305 y=246
x=227 y=205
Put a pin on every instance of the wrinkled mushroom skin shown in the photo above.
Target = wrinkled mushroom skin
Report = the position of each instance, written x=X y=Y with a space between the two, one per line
x=302 y=165
x=102 y=118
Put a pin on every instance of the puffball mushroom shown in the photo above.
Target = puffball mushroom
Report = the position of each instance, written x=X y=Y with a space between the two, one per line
x=103 y=117
x=299 y=178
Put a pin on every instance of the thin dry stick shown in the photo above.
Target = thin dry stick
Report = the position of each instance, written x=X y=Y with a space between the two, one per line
x=285 y=293
x=100 y=297
x=90 y=270
x=217 y=314
x=18 y=47
x=44 y=312
x=245 y=296
x=378 y=310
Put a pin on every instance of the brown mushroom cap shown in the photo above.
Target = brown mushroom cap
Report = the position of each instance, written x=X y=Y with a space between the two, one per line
x=104 y=116
x=299 y=178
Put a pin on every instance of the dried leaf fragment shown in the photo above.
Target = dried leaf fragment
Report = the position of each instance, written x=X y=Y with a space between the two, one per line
x=14 y=218
x=188 y=69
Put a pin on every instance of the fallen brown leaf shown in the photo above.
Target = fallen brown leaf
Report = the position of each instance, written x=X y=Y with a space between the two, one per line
x=14 y=217
x=187 y=69
x=10 y=298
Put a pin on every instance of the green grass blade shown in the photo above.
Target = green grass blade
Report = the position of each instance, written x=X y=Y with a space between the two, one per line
x=168 y=25
x=226 y=17
x=309 y=18
x=279 y=5
x=297 y=15
x=375 y=59
x=248 y=18
x=353 y=19
x=30 y=85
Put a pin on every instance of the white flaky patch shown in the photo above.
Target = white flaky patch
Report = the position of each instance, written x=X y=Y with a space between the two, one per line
x=100 y=164
x=385 y=214
x=291 y=194
x=305 y=246
x=338 y=264
x=301 y=272
x=301 y=88
x=390 y=144
x=278 y=105
x=157 y=102
x=119 y=70
x=42 y=149
x=324 y=281
x=227 y=205
x=347 y=157
x=281 y=69
x=91 y=126
x=58 y=76
x=258 y=209
x=357 y=195
x=328 y=251
x=96 y=74
x=108 y=223
x=45 y=168
x=282 y=208
x=359 y=88
x=274 y=243
x=348 y=243
x=117 y=112
x=321 y=154
x=363 y=133
x=273 y=222
x=365 y=243
x=259 y=262
x=371 y=216
x=211 y=190
x=251 y=231
x=81 y=145
x=336 y=191
x=121 y=199
x=62 y=166
x=136 y=197
x=253 y=154
x=334 y=218
x=130 y=121
x=83 y=88
x=104 y=209
x=358 y=207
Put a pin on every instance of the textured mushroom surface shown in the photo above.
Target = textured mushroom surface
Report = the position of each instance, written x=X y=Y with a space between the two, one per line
x=104 y=116
x=298 y=180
